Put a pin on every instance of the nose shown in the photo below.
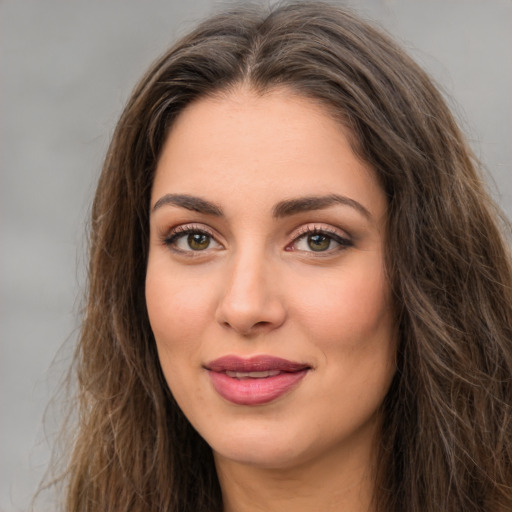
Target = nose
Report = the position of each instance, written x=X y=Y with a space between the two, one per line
x=251 y=302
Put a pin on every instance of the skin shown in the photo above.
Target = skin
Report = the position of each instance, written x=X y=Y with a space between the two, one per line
x=259 y=288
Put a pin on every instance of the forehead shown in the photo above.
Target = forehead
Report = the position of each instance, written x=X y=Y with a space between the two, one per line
x=265 y=146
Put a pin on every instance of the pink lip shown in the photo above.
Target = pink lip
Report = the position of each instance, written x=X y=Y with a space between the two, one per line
x=254 y=391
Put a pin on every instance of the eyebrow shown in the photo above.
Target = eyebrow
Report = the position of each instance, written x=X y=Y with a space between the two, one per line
x=311 y=203
x=284 y=208
x=195 y=204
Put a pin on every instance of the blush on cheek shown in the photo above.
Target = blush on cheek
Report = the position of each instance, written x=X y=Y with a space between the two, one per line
x=176 y=313
x=350 y=314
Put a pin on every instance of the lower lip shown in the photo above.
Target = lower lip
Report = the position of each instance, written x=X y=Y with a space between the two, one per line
x=255 y=391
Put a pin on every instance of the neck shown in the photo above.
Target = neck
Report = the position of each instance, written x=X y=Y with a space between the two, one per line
x=331 y=484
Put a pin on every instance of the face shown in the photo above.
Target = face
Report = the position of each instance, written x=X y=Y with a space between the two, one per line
x=266 y=287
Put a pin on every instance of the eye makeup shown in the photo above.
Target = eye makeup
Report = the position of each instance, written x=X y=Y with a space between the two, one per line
x=192 y=240
x=320 y=239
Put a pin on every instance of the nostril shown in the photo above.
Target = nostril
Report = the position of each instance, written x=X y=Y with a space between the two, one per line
x=249 y=329
x=259 y=326
x=249 y=309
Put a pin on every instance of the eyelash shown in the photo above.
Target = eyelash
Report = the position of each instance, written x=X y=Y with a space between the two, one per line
x=173 y=237
x=170 y=240
x=308 y=231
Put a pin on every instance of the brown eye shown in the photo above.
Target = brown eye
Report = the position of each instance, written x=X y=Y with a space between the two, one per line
x=319 y=242
x=198 y=241
x=191 y=240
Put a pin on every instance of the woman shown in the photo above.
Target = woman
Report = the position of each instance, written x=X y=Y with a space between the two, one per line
x=299 y=295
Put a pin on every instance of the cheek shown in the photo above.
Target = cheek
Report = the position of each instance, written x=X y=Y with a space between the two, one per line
x=178 y=310
x=178 y=307
x=348 y=308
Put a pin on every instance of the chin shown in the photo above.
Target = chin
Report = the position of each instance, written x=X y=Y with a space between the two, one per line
x=282 y=445
x=261 y=454
x=263 y=446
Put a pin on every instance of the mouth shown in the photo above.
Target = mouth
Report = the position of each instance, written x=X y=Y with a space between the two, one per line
x=254 y=381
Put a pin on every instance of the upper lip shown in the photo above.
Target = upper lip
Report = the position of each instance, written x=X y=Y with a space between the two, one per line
x=234 y=363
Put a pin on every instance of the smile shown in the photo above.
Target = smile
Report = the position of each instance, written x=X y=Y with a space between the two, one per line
x=254 y=381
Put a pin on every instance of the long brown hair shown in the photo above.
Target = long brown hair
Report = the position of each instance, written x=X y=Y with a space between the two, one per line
x=447 y=435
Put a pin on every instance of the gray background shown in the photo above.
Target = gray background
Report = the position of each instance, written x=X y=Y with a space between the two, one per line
x=67 y=68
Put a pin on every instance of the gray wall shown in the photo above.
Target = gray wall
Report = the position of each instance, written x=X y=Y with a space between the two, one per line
x=66 y=70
